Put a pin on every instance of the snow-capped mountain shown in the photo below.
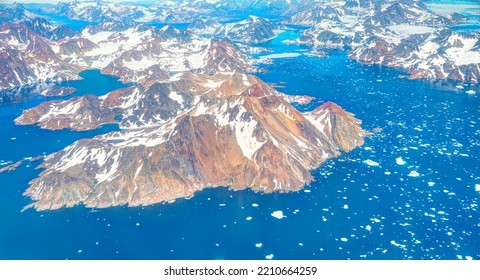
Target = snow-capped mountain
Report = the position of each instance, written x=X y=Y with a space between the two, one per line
x=92 y=11
x=49 y=30
x=399 y=34
x=442 y=54
x=407 y=12
x=27 y=58
x=15 y=13
x=252 y=30
x=316 y=15
x=204 y=26
x=182 y=135
x=159 y=11
x=135 y=53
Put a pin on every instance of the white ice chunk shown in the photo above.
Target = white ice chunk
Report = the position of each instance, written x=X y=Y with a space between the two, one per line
x=400 y=161
x=413 y=173
x=371 y=162
x=278 y=214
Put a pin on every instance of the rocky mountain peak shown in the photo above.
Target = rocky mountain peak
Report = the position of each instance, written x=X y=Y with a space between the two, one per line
x=180 y=136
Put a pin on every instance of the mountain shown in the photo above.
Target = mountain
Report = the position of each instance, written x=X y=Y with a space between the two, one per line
x=133 y=54
x=48 y=30
x=28 y=58
x=180 y=136
x=442 y=54
x=313 y=16
x=92 y=11
x=252 y=30
x=399 y=34
x=204 y=26
x=15 y=13
x=159 y=11
x=409 y=12
x=136 y=52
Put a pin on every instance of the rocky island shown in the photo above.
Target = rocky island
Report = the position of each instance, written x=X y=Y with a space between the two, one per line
x=193 y=118
x=182 y=135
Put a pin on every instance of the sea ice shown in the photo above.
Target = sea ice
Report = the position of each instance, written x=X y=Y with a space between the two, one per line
x=344 y=239
x=413 y=173
x=431 y=184
x=371 y=162
x=278 y=214
x=259 y=245
x=269 y=257
x=470 y=91
x=400 y=161
x=248 y=218
x=280 y=55
x=254 y=205
x=477 y=187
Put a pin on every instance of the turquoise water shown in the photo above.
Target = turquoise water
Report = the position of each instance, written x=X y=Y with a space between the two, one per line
x=351 y=211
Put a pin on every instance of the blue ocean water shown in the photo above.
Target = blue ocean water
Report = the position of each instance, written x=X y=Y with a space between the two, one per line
x=352 y=211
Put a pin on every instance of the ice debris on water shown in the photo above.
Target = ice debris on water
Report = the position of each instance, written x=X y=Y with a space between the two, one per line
x=400 y=161
x=413 y=173
x=371 y=162
x=278 y=214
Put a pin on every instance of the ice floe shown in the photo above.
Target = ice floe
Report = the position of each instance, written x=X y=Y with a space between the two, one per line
x=371 y=162
x=278 y=214
x=413 y=173
x=400 y=161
